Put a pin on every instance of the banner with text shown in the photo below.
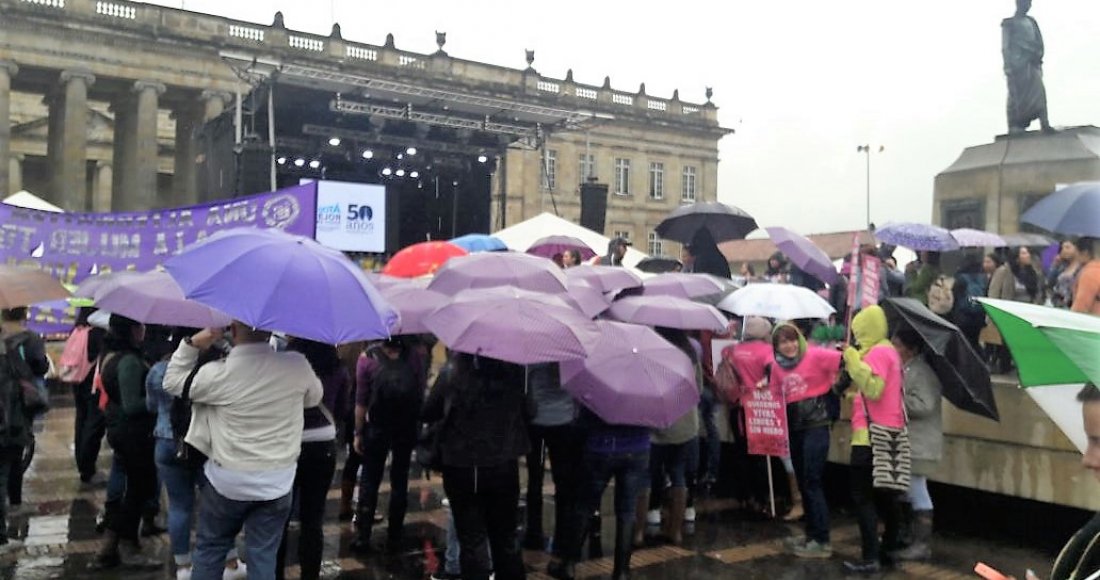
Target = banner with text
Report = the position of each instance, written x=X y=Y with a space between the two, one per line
x=766 y=421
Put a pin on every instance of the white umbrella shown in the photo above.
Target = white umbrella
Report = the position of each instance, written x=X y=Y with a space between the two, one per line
x=778 y=301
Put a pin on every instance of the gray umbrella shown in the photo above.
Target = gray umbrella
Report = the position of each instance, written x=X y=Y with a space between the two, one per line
x=724 y=222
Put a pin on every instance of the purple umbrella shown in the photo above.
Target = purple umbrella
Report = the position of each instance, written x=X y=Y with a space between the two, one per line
x=550 y=246
x=805 y=254
x=589 y=299
x=678 y=285
x=492 y=269
x=605 y=278
x=277 y=281
x=669 y=312
x=413 y=304
x=513 y=325
x=633 y=377
x=917 y=237
x=154 y=298
x=971 y=238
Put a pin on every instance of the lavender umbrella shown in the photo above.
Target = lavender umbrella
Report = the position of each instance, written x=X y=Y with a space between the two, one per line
x=492 y=269
x=513 y=325
x=804 y=254
x=605 y=278
x=413 y=304
x=154 y=298
x=588 y=298
x=971 y=238
x=550 y=246
x=277 y=281
x=678 y=285
x=667 y=311
x=917 y=236
x=633 y=377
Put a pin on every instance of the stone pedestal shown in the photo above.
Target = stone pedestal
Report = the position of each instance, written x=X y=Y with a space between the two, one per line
x=7 y=70
x=68 y=142
x=989 y=186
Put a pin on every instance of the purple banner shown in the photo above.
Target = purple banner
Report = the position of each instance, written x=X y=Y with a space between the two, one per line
x=73 y=246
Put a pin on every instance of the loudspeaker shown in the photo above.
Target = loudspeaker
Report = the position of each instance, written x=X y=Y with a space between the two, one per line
x=594 y=206
x=254 y=169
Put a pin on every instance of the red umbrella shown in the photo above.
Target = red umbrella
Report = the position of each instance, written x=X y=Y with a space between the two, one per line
x=421 y=259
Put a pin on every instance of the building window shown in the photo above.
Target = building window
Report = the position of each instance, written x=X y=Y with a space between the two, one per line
x=656 y=180
x=622 y=176
x=624 y=234
x=550 y=169
x=656 y=246
x=586 y=166
x=687 y=184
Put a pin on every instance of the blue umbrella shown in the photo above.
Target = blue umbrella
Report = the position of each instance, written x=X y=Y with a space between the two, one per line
x=479 y=243
x=276 y=281
x=918 y=237
x=1073 y=210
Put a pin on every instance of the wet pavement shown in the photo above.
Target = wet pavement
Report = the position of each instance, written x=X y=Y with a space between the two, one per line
x=60 y=537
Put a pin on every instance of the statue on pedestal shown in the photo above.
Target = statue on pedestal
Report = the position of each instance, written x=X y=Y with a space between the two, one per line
x=1022 y=48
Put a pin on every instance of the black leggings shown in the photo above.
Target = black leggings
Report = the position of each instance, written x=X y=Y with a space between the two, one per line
x=871 y=504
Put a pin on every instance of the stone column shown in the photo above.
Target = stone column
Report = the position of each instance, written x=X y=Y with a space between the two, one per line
x=185 y=177
x=101 y=197
x=7 y=70
x=145 y=157
x=121 y=182
x=68 y=149
x=15 y=173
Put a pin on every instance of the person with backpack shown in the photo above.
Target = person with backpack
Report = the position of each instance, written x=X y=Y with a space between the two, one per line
x=317 y=462
x=387 y=420
x=179 y=475
x=24 y=362
x=77 y=361
x=966 y=312
x=130 y=426
x=926 y=277
x=805 y=375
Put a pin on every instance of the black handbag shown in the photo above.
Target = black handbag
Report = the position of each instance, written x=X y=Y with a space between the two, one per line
x=186 y=454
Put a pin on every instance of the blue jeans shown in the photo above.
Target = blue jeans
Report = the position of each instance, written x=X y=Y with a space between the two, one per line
x=221 y=519
x=180 y=483
x=672 y=461
x=454 y=551
x=809 y=452
x=631 y=474
x=712 y=448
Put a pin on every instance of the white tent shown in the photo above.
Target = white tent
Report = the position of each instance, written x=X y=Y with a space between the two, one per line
x=520 y=236
x=28 y=200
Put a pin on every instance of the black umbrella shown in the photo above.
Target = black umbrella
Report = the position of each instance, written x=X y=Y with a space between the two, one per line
x=659 y=264
x=724 y=222
x=961 y=370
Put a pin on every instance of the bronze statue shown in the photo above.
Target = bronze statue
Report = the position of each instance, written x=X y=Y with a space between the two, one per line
x=1022 y=47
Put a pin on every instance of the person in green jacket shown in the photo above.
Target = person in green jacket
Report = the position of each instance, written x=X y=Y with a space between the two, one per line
x=925 y=277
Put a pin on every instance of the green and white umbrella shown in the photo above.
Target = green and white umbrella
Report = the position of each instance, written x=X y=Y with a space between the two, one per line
x=1056 y=351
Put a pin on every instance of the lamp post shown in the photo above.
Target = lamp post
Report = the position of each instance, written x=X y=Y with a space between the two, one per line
x=866 y=149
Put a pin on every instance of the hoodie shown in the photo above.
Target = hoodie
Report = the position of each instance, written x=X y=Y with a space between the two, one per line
x=875 y=369
x=806 y=382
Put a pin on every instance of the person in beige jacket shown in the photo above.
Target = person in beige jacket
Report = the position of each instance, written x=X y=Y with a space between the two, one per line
x=1018 y=279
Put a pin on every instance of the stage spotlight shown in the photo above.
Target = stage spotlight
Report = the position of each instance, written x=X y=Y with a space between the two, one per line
x=410 y=151
x=482 y=159
x=299 y=162
x=315 y=164
x=401 y=173
x=281 y=161
x=368 y=154
x=387 y=172
x=414 y=174
x=335 y=141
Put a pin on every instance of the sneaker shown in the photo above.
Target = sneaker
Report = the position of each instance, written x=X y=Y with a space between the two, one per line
x=183 y=573
x=653 y=518
x=865 y=568
x=444 y=575
x=792 y=542
x=238 y=573
x=689 y=515
x=812 y=549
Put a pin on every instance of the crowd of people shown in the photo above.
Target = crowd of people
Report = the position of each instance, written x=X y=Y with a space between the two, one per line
x=244 y=430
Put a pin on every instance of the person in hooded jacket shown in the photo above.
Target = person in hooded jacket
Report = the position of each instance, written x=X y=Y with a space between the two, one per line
x=806 y=374
x=875 y=369
x=484 y=414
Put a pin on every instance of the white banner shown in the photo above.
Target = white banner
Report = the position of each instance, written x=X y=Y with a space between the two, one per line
x=351 y=217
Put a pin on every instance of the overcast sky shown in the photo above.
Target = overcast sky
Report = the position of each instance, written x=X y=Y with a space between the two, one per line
x=803 y=82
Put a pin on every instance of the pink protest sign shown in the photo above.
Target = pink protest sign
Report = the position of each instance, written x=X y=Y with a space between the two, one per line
x=766 y=422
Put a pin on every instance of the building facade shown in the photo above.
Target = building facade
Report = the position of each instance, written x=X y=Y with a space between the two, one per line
x=101 y=103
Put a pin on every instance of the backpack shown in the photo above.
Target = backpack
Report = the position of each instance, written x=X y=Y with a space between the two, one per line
x=395 y=395
x=74 y=362
x=973 y=287
x=941 y=298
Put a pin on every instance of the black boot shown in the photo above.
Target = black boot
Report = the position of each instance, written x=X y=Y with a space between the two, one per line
x=365 y=520
x=595 y=537
x=624 y=546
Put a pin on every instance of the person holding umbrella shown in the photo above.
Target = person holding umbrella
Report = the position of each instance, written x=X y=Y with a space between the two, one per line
x=806 y=375
x=481 y=405
x=924 y=408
